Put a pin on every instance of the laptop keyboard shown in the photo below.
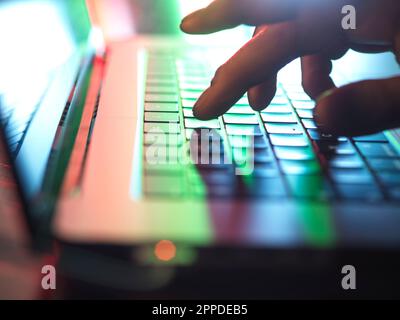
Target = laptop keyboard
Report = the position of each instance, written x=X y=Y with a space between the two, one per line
x=276 y=153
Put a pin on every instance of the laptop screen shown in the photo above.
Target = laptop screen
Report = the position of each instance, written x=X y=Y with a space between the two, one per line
x=42 y=44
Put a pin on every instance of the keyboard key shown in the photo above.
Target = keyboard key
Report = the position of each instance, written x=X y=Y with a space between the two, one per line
x=390 y=178
x=240 y=119
x=203 y=133
x=190 y=95
x=310 y=187
x=330 y=148
x=303 y=104
x=238 y=129
x=160 y=74
x=160 y=65
x=160 y=89
x=265 y=170
x=359 y=192
x=377 y=150
x=161 y=98
x=161 y=117
x=294 y=153
x=264 y=188
x=162 y=155
x=208 y=134
x=213 y=177
x=262 y=156
x=163 y=169
x=289 y=140
x=193 y=86
x=192 y=123
x=296 y=167
x=161 y=107
x=284 y=128
x=385 y=164
x=281 y=109
x=241 y=110
x=309 y=124
x=305 y=113
x=194 y=79
x=214 y=165
x=315 y=134
x=378 y=137
x=188 y=113
x=279 y=100
x=299 y=97
x=186 y=103
x=191 y=72
x=351 y=176
x=346 y=162
x=214 y=191
x=153 y=127
x=162 y=139
x=208 y=146
x=161 y=82
x=163 y=186
x=245 y=156
x=247 y=141
x=279 y=117
x=242 y=156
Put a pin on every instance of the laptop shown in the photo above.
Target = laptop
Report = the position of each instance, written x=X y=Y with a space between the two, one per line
x=106 y=151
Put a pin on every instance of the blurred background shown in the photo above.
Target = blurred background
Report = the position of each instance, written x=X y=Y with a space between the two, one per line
x=20 y=269
x=156 y=17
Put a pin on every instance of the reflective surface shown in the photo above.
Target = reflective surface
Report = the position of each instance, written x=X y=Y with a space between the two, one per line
x=39 y=61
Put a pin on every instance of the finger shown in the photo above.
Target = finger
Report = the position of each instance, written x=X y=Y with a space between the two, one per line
x=365 y=48
x=316 y=78
x=397 y=46
x=361 y=108
x=261 y=95
x=225 y=14
x=257 y=61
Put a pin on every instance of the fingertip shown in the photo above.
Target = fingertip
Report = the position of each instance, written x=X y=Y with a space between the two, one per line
x=182 y=26
x=201 y=114
x=260 y=96
x=257 y=104
x=194 y=23
x=257 y=99
x=186 y=25
x=332 y=115
x=202 y=109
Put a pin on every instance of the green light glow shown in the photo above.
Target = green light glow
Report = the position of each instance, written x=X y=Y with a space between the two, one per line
x=316 y=217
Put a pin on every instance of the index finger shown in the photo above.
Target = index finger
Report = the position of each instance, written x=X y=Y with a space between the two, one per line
x=225 y=14
x=260 y=58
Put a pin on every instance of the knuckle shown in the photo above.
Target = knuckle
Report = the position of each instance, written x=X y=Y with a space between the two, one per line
x=219 y=74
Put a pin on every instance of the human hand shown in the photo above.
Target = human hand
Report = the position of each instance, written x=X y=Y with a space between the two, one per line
x=312 y=30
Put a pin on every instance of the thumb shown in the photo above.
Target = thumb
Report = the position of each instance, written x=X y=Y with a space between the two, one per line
x=361 y=108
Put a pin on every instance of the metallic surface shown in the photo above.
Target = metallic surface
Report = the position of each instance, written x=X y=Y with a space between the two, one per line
x=103 y=209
